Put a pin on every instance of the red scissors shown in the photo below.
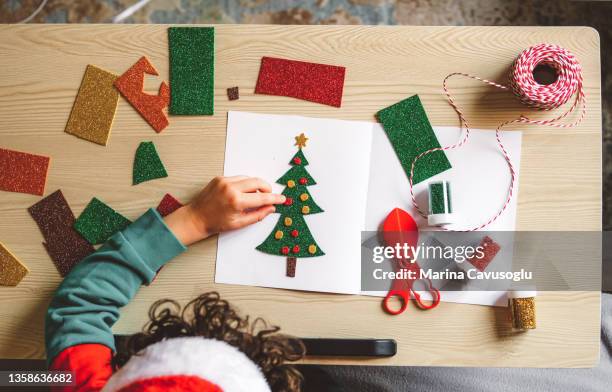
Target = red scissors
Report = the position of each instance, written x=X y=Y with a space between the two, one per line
x=400 y=228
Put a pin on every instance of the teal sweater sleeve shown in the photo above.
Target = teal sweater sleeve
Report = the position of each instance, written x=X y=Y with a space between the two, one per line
x=86 y=304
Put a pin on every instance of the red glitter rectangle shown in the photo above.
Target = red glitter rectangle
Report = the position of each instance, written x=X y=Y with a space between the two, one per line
x=313 y=82
x=22 y=172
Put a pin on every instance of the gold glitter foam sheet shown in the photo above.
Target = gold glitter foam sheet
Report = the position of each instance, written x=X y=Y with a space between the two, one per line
x=11 y=269
x=94 y=107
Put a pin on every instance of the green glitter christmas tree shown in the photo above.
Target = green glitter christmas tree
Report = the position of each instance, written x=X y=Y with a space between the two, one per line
x=291 y=236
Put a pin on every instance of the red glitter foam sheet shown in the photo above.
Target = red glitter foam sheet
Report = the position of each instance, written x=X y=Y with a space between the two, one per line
x=168 y=205
x=150 y=107
x=313 y=82
x=22 y=172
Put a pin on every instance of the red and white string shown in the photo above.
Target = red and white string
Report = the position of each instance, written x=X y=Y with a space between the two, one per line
x=532 y=94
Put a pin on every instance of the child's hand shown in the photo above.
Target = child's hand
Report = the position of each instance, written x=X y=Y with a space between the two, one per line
x=226 y=203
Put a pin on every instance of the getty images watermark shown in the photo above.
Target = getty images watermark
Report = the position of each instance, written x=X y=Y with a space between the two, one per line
x=475 y=255
x=483 y=261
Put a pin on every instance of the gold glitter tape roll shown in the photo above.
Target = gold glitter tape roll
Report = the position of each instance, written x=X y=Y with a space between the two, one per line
x=522 y=309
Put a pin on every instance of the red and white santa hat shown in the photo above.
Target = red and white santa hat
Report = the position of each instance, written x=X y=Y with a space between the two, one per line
x=188 y=364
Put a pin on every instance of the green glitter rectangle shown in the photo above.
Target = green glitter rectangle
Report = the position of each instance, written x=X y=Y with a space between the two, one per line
x=192 y=70
x=410 y=133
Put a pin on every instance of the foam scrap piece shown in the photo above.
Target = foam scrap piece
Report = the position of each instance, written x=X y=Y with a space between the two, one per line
x=147 y=164
x=94 y=108
x=411 y=134
x=66 y=254
x=99 y=222
x=168 y=205
x=313 y=82
x=55 y=219
x=23 y=172
x=233 y=93
x=12 y=271
x=491 y=248
x=192 y=70
x=150 y=107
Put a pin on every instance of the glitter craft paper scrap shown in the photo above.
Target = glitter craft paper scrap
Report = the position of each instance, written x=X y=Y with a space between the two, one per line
x=94 y=107
x=151 y=107
x=321 y=83
x=192 y=70
x=12 y=271
x=337 y=153
x=23 y=172
x=55 y=219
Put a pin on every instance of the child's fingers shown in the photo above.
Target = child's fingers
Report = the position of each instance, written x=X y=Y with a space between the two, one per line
x=235 y=178
x=255 y=200
x=253 y=184
x=255 y=216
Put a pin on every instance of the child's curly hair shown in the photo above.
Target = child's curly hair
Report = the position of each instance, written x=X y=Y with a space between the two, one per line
x=211 y=317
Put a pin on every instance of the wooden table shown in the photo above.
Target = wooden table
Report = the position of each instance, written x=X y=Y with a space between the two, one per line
x=40 y=71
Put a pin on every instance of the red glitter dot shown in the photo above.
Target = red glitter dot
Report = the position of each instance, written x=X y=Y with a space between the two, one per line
x=288 y=201
x=285 y=250
x=303 y=181
x=297 y=160
x=296 y=249
x=294 y=233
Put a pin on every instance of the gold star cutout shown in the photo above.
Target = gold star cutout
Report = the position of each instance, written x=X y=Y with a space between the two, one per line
x=301 y=140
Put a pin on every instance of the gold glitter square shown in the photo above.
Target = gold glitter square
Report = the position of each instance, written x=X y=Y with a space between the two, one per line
x=11 y=269
x=94 y=107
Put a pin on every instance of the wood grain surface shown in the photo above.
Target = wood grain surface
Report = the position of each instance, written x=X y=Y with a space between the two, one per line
x=40 y=71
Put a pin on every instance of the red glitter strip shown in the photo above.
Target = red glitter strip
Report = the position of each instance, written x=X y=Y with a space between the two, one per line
x=313 y=82
x=150 y=107
x=168 y=205
x=22 y=172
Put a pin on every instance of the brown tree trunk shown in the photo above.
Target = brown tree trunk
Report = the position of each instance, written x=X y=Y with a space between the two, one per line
x=291 y=262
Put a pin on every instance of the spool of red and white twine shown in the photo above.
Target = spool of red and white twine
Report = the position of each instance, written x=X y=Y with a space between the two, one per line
x=533 y=94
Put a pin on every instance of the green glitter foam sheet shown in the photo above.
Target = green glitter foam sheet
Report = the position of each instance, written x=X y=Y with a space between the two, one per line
x=192 y=70
x=408 y=128
x=147 y=164
x=99 y=222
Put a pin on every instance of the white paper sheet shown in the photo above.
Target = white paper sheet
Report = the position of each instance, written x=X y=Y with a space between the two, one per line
x=359 y=180
x=479 y=182
x=338 y=153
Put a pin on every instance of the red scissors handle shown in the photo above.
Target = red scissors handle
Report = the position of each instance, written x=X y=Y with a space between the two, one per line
x=404 y=299
x=435 y=295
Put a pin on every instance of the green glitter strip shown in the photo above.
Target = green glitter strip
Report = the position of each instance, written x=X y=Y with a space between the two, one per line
x=411 y=134
x=147 y=164
x=273 y=246
x=192 y=70
x=99 y=222
x=436 y=198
